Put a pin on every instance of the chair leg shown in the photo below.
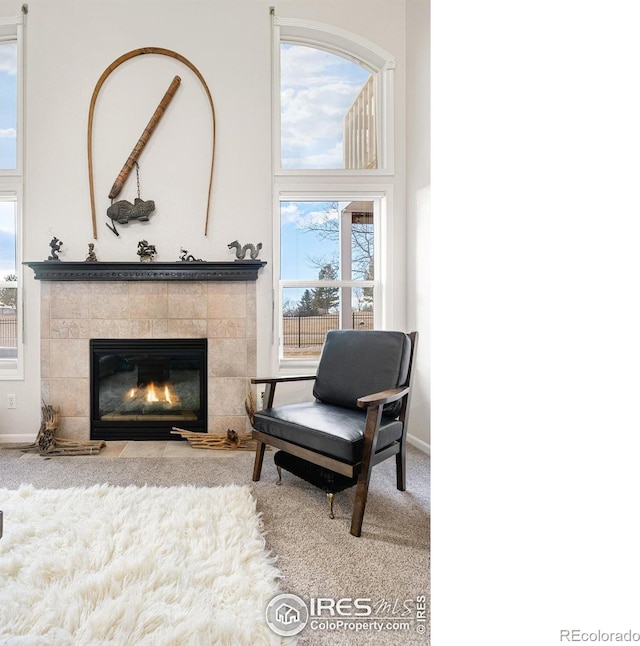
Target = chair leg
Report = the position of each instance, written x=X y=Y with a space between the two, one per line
x=330 y=497
x=257 y=465
x=279 y=475
x=401 y=469
x=358 y=507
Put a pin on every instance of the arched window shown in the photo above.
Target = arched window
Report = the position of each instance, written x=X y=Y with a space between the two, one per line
x=333 y=101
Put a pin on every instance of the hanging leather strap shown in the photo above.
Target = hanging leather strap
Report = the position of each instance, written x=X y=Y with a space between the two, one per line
x=125 y=57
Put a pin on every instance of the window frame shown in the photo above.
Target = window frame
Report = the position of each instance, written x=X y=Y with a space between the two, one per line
x=11 y=184
x=380 y=199
x=357 y=50
x=335 y=184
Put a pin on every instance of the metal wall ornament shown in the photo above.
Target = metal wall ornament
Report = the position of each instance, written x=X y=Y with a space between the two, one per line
x=241 y=251
x=146 y=251
x=185 y=256
x=146 y=134
x=56 y=246
x=91 y=255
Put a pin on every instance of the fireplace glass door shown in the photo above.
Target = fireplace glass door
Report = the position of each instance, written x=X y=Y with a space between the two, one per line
x=142 y=388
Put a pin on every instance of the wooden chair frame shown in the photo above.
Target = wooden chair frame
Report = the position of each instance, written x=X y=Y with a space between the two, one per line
x=373 y=404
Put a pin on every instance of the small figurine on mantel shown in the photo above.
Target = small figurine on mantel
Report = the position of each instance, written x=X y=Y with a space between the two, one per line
x=55 y=245
x=185 y=256
x=91 y=256
x=241 y=252
x=146 y=251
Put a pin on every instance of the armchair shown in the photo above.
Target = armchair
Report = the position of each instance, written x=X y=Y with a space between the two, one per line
x=358 y=419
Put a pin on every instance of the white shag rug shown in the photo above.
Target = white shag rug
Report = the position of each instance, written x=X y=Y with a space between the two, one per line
x=134 y=566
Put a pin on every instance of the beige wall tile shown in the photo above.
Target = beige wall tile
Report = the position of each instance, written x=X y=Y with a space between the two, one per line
x=45 y=358
x=110 y=306
x=109 y=288
x=187 y=306
x=160 y=329
x=70 y=329
x=227 y=358
x=187 y=329
x=148 y=300
x=252 y=357
x=146 y=289
x=227 y=328
x=45 y=316
x=74 y=428
x=219 y=424
x=70 y=395
x=227 y=395
x=71 y=306
x=69 y=358
x=141 y=329
x=227 y=300
x=109 y=329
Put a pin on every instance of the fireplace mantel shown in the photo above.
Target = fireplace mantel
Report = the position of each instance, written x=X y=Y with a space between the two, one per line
x=246 y=270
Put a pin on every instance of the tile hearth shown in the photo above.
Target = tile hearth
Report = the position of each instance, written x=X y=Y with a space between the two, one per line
x=72 y=312
x=123 y=449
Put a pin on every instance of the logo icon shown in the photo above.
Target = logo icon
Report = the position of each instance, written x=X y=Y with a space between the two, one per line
x=287 y=615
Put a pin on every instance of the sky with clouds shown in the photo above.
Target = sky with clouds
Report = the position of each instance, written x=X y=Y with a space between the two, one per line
x=7 y=105
x=7 y=154
x=317 y=90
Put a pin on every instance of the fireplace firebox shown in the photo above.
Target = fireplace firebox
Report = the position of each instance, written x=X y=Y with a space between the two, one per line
x=142 y=388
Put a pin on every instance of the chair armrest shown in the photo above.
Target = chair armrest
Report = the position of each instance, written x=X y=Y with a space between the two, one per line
x=382 y=398
x=270 y=390
x=277 y=380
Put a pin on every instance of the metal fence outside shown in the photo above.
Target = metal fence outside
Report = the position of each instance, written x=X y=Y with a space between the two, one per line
x=308 y=332
x=8 y=331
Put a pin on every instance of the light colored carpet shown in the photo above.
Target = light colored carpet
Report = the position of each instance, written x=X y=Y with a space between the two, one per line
x=133 y=565
x=316 y=555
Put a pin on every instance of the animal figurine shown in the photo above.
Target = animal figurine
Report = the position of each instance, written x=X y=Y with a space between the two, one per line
x=91 y=256
x=55 y=245
x=188 y=258
x=146 y=251
x=241 y=252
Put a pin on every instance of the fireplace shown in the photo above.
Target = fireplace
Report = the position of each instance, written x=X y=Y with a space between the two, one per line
x=141 y=388
x=212 y=301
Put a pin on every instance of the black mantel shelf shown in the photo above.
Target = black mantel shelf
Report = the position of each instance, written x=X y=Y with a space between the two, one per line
x=246 y=270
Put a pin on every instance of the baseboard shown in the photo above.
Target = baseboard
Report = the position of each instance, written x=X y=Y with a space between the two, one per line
x=15 y=438
x=419 y=444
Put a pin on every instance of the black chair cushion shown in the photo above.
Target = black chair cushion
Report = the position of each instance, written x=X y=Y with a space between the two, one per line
x=355 y=363
x=335 y=431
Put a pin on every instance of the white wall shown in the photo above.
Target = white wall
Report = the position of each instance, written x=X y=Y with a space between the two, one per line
x=418 y=211
x=70 y=44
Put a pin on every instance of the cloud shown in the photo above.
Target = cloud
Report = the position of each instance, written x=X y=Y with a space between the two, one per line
x=317 y=90
x=8 y=132
x=9 y=58
x=304 y=214
x=289 y=212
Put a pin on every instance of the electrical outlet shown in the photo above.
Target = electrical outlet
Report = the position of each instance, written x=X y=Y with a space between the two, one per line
x=11 y=401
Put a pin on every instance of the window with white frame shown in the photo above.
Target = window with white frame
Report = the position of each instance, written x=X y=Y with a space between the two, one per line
x=11 y=180
x=327 y=270
x=332 y=109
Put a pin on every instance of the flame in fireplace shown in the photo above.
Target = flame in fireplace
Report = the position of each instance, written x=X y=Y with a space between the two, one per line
x=152 y=393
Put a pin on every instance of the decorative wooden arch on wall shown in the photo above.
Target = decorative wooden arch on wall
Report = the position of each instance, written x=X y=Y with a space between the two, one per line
x=94 y=97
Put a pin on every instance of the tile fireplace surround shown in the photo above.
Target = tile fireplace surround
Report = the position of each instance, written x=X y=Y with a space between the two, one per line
x=78 y=309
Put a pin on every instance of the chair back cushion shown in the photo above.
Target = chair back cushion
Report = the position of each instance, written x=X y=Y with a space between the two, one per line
x=355 y=363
